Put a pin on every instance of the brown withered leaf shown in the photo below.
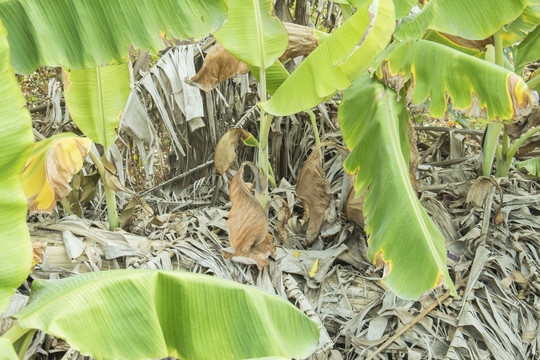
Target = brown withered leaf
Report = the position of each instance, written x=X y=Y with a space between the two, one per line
x=248 y=226
x=354 y=210
x=471 y=44
x=283 y=214
x=226 y=148
x=219 y=65
x=314 y=191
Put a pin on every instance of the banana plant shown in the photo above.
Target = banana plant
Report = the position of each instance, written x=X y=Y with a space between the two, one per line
x=155 y=313
x=207 y=316
x=373 y=117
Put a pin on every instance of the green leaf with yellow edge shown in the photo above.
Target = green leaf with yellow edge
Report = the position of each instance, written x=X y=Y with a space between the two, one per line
x=401 y=234
x=151 y=314
x=527 y=51
x=523 y=25
x=16 y=140
x=337 y=61
x=475 y=20
x=437 y=72
x=252 y=34
x=96 y=98
x=82 y=34
x=49 y=168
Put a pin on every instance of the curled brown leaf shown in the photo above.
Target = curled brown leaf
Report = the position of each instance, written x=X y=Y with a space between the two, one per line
x=248 y=226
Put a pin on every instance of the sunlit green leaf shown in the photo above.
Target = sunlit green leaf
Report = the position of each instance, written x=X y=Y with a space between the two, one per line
x=374 y=128
x=337 y=61
x=252 y=34
x=531 y=165
x=81 y=34
x=146 y=314
x=527 y=51
x=96 y=98
x=438 y=72
x=6 y=350
x=462 y=18
x=16 y=140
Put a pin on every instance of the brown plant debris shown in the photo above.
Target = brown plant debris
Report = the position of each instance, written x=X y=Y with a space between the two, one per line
x=220 y=65
x=314 y=191
x=226 y=148
x=248 y=225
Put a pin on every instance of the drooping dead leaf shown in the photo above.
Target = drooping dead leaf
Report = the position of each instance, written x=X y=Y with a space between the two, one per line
x=479 y=191
x=49 y=168
x=38 y=252
x=248 y=227
x=315 y=192
x=354 y=209
x=226 y=148
x=220 y=65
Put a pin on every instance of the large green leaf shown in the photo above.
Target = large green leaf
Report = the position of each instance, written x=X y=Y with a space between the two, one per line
x=527 y=51
x=252 y=34
x=141 y=314
x=523 y=25
x=374 y=128
x=337 y=61
x=6 y=350
x=16 y=140
x=96 y=98
x=81 y=34
x=438 y=72
x=469 y=19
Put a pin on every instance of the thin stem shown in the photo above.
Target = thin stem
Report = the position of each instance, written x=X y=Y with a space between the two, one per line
x=109 y=193
x=505 y=142
x=497 y=37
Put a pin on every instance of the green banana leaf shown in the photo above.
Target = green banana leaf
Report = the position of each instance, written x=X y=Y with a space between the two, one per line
x=527 y=51
x=252 y=34
x=16 y=141
x=531 y=165
x=461 y=18
x=374 y=128
x=438 y=72
x=142 y=314
x=403 y=7
x=96 y=98
x=82 y=34
x=337 y=61
x=523 y=25
x=7 y=351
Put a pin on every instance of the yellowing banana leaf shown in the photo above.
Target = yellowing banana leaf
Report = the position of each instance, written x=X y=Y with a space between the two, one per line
x=82 y=34
x=252 y=34
x=436 y=71
x=338 y=60
x=401 y=234
x=49 y=168
x=7 y=351
x=96 y=98
x=461 y=17
x=527 y=51
x=147 y=314
x=16 y=140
